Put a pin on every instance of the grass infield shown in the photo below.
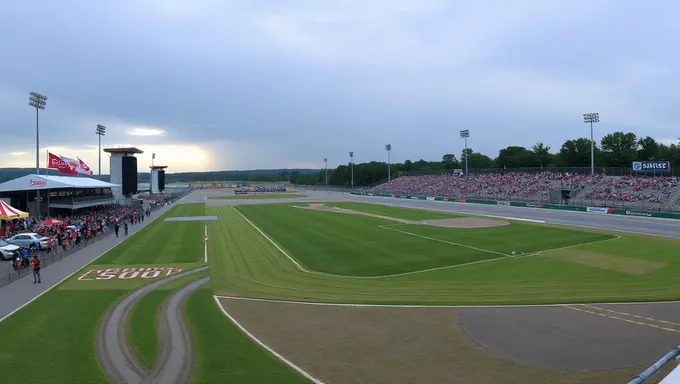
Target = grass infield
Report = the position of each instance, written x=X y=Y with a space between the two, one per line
x=265 y=196
x=360 y=259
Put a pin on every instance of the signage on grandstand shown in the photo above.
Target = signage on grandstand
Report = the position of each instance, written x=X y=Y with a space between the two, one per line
x=37 y=182
x=531 y=205
x=128 y=273
x=504 y=203
x=638 y=213
x=651 y=166
x=599 y=210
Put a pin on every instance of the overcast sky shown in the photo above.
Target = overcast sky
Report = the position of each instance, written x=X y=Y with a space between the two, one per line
x=243 y=84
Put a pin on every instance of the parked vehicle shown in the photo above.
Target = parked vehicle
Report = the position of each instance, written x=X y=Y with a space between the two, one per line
x=8 y=251
x=29 y=240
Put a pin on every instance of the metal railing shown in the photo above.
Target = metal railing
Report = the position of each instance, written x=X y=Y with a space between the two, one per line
x=644 y=376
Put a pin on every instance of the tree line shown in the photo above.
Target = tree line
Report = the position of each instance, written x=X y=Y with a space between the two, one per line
x=615 y=150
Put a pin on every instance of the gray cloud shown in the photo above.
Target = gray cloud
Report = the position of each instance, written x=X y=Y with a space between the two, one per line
x=294 y=82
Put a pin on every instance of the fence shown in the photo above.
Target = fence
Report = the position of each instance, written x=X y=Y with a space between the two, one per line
x=656 y=367
x=8 y=274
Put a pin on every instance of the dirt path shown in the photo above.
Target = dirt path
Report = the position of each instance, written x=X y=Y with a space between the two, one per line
x=173 y=366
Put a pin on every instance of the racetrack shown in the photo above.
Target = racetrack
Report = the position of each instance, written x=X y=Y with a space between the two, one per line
x=567 y=337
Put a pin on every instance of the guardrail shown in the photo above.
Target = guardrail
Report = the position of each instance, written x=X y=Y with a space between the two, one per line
x=670 y=379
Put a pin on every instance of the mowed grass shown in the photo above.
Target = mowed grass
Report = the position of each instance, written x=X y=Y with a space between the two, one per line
x=58 y=330
x=143 y=322
x=227 y=355
x=245 y=263
x=396 y=212
x=263 y=196
x=163 y=242
x=359 y=245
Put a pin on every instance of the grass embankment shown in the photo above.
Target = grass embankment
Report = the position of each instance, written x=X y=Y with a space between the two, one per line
x=58 y=330
x=263 y=196
x=227 y=355
x=629 y=268
x=143 y=322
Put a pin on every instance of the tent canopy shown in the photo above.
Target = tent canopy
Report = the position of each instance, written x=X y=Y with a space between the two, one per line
x=7 y=212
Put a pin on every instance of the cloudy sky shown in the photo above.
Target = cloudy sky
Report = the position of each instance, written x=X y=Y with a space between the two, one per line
x=242 y=84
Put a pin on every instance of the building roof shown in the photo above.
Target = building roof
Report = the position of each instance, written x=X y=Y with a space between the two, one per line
x=123 y=150
x=158 y=166
x=40 y=182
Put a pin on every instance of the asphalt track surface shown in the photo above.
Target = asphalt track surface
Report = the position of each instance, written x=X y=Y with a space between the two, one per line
x=175 y=359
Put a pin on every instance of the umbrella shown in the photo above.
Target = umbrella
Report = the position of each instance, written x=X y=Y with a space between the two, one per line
x=7 y=212
x=52 y=222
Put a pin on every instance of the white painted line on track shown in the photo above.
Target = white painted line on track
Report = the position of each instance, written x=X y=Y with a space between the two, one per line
x=445 y=241
x=350 y=305
x=205 y=245
x=266 y=347
x=467 y=213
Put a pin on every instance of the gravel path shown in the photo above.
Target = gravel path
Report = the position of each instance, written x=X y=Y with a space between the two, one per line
x=175 y=357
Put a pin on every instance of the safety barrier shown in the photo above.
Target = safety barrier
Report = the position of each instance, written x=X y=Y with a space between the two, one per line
x=672 y=378
x=601 y=210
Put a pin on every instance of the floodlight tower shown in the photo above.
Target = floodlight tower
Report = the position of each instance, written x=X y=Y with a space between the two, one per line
x=100 y=131
x=591 y=118
x=325 y=160
x=37 y=101
x=153 y=157
x=464 y=134
x=388 y=148
x=351 y=164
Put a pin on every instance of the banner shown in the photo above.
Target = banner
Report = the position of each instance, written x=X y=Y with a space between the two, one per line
x=651 y=166
x=599 y=210
x=504 y=203
x=84 y=169
x=56 y=162
x=639 y=213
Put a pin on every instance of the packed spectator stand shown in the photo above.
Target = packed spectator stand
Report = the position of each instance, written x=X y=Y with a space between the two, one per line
x=636 y=192
x=78 y=228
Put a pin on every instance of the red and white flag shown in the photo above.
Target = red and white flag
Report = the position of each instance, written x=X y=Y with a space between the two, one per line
x=84 y=168
x=57 y=162
x=73 y=164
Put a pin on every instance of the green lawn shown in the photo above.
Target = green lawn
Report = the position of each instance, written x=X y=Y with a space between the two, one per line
x=143 y=322
x=264 y=196
x=398 y=212
x=163 y=242
x=630 y=268
x=357 y=245
x=224 y=354
x=59 y=328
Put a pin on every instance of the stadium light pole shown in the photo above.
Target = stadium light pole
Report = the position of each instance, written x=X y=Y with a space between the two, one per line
x=100 y=131
x=325 y=160
x=388 y=148
x=591 y=118
x=351 y=164
x=153 y=157
x=464 y=134
x=37 y=101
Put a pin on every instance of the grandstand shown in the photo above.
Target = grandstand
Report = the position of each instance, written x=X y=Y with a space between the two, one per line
x=630 y=192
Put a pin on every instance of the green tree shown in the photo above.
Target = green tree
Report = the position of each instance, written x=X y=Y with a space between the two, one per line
x=649 y=149
x=449 y=161
x=541 y=155
x=620 y=149
x=576 y=153
x=514 y=157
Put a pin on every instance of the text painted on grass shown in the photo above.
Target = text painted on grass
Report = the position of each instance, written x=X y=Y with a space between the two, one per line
x=129 y=273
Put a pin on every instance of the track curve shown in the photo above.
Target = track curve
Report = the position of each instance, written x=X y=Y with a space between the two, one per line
x=115 y=356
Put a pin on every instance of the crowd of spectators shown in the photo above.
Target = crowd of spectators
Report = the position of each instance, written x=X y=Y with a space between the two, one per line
x=534 y=186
